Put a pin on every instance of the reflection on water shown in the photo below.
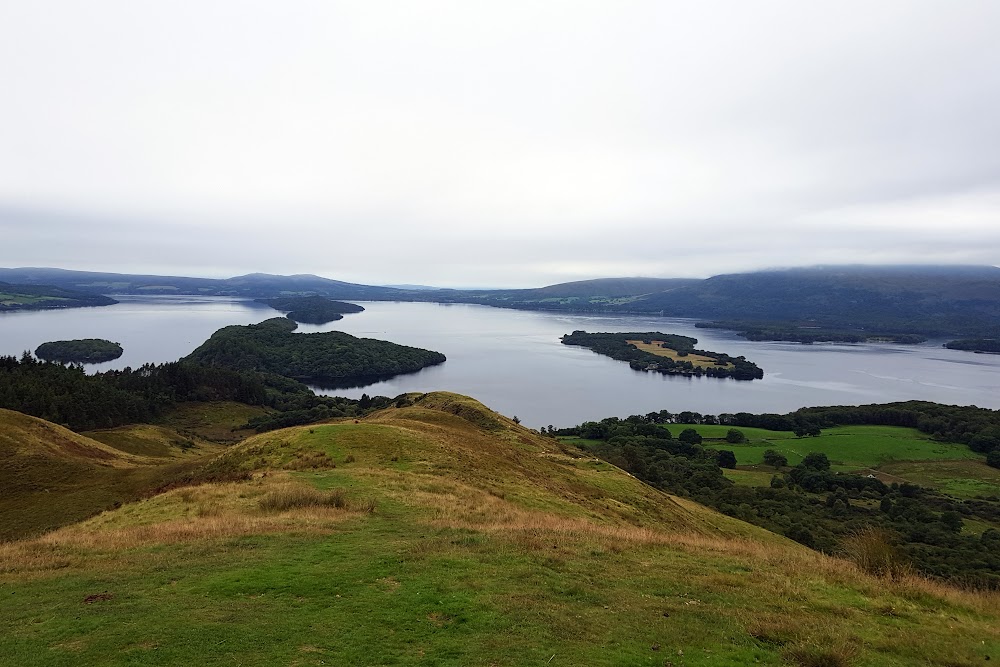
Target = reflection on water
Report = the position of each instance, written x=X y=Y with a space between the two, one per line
x=513 y=360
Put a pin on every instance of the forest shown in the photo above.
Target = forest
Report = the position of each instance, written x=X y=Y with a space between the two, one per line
x=990 y=345
x=67 y=395
x=83 y=351
x=685 y=362
x=332 y=358
x=809 y=502
x=808 y=333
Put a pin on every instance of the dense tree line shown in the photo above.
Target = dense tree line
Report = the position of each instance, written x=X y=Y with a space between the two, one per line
x=84 y=351
x=791 y=332
x=616 y=346
x=312 y=309
x=991 y=345
x=67 y=395
x=330 y=358
x=808 y=503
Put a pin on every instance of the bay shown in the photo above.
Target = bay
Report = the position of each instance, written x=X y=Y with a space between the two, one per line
x=513 y=361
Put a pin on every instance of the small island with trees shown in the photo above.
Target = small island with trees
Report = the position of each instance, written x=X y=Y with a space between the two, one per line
x=312 y=309
x=981 y=345
x=669 y=354
x=83 y=351
x=332 y=359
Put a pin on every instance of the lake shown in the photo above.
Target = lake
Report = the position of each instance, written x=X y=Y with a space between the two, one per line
x=513 y=361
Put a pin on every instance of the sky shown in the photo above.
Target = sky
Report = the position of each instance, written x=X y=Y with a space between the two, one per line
x=507 y=144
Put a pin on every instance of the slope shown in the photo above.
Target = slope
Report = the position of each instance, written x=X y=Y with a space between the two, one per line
x=438 y=532
x=918 y=299
x=52 y=476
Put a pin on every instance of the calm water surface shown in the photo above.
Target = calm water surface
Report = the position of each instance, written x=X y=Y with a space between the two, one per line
x=513 y=360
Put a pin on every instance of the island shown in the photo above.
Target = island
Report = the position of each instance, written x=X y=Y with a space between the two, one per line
x=312 y=309
x=670 y=354
x=330 y=359
x=981 y=345
x=82 y=351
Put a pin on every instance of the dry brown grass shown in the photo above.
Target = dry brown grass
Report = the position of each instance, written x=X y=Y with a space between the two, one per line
x=206 y=512
x=871 y=549
x=670 y=353
x=296 y=497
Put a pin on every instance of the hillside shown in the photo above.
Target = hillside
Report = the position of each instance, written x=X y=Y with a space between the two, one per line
x=251 y=285
x=438 y=532
x=841 y=303
x=52 y=476
x=47 y=297
x=848 y=303
x=932 y=300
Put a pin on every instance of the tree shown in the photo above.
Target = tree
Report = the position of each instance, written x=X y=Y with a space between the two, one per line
x=993 y=458
x=726 y=458
x=775 y=459
x=735 y=436
x=690 y=436
x=816 y=461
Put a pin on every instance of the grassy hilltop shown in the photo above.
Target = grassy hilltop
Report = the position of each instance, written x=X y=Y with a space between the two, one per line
x=435 y=533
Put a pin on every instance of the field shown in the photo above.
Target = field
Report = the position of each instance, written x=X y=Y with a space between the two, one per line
x=460 y=539
x=889 y=452
x=13 y=299
x=695 y=359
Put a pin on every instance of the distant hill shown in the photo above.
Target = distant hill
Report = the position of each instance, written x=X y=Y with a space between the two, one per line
x=933 y=300
x=47 y=297
x=255 y=285
x=926 y=300
x=612 y=287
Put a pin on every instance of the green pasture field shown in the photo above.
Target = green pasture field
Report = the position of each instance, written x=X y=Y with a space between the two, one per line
x=847 y=447
x=962 y=479
x=13 y=299
x=745 y=477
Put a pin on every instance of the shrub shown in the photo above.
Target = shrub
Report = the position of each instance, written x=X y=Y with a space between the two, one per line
x=872 y=550
x=735 y=436
x=690 y=436
x=775 y=459
x=993 y=458
x=726 y=458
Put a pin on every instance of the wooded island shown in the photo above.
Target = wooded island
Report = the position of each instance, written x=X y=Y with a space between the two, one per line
x=669 y=354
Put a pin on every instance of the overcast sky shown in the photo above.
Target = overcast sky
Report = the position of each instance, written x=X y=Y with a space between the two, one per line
x=497 y=144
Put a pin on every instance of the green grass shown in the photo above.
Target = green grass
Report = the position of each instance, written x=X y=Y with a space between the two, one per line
x=847 y=447
x=963 y=479
x=13 y=299
x=218 y=422
x=392 y=589
x=895 y=454
x=488 y=546
x=748 y=477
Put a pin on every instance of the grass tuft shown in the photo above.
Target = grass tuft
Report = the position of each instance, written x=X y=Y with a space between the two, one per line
x=814 y=655
x=871 y=549
x=295 y=497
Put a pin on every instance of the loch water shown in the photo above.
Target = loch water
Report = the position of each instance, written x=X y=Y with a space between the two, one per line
x=513 y=361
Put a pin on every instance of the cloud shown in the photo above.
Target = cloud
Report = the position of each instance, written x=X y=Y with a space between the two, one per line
x=504 y=143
